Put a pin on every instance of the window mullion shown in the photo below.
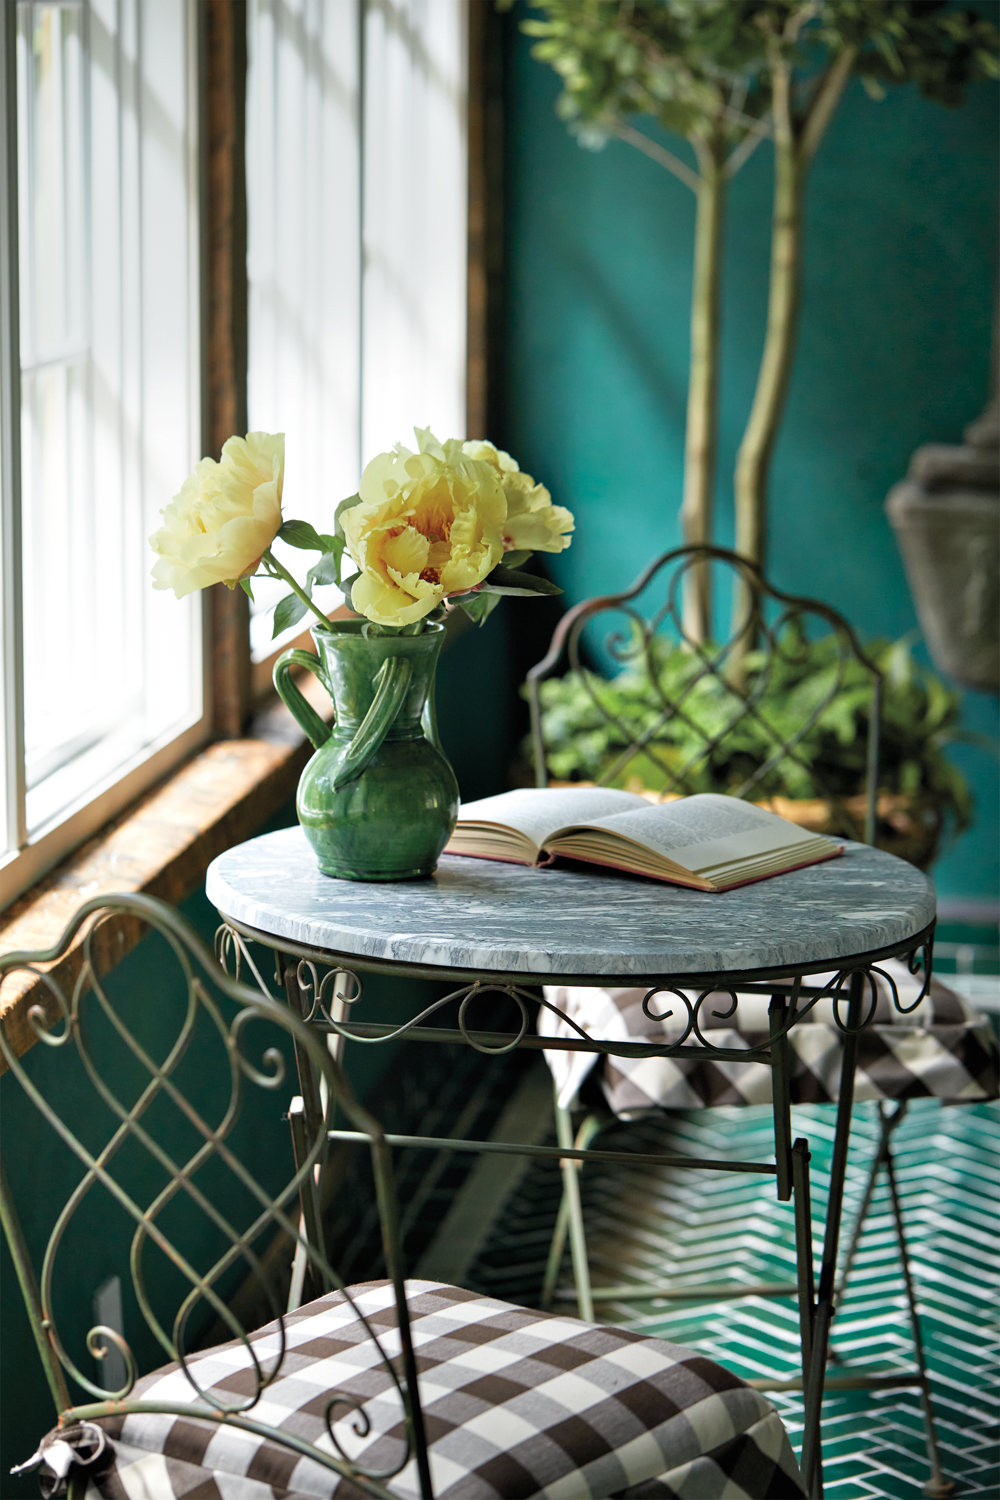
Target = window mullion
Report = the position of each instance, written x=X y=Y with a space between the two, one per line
x=12 y=658
x=224 y=320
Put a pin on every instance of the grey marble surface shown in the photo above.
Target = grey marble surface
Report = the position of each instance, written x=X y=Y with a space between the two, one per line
x=481 y=915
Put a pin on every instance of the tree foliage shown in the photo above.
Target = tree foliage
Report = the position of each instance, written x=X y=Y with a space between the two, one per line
x=692 y=63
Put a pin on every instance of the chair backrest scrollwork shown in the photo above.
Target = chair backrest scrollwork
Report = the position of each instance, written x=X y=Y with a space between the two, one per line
x=745 y=714
x=172 y=1153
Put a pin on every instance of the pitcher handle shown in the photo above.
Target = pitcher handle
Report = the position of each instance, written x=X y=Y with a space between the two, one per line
x=317 y=731
x=392 y=682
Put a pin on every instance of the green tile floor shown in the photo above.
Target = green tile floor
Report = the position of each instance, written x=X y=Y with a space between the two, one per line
x=689 y=1225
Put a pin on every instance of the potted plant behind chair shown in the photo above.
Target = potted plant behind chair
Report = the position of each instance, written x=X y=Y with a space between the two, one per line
x=588 y=725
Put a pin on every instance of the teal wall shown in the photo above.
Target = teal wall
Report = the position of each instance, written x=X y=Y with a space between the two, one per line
x=894 y=351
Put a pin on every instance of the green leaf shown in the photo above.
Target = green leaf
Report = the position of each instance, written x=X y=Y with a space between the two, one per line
x=303 y=534
x=514 y=559
x=509 y=581
x=327 y=570
x=910 y=777
x=287 y=612
x=245 y=586
x=968 y=737
x=344 y=505
x=478 y=606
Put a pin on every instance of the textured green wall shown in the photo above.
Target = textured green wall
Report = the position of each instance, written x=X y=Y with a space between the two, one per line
x=894 y=351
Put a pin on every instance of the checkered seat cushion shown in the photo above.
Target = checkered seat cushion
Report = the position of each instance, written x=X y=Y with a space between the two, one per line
x=517 y=1403
x=942 y=1049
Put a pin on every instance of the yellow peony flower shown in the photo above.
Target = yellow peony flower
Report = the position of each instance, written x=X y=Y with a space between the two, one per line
x=428 y=524
x=533 y=523
x=216 y=529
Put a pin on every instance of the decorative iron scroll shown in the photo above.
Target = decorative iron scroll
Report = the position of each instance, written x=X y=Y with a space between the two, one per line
x=228 y=1010
x=345 y=986
x=775 y=625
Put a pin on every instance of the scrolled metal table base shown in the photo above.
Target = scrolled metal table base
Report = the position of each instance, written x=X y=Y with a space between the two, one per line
x=327 y=991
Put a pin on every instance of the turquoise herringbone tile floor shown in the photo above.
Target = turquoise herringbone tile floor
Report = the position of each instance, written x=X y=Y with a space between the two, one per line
x=689 y=1226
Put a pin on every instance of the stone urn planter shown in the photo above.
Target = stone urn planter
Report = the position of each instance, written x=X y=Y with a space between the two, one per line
x=946 y=516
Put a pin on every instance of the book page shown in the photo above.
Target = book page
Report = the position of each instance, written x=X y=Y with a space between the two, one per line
x=703 y=833
x=538 y=811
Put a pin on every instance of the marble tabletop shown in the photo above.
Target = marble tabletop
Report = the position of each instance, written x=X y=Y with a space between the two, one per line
x=479 y=915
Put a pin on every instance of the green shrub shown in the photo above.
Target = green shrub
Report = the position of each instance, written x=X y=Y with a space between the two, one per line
x=804 y=695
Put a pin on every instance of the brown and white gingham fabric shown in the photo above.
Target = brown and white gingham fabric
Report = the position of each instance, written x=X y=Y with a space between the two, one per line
x=517 y=1403
x=941 y=1050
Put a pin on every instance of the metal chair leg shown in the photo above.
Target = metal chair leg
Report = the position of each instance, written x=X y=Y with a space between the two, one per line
x=296 y=1286
x=586 y=1133
x=937 y=1486
x=889 y=1123
x=811 y=1451
x=574 y=1217
x=306 y=1115
x=311 y=1221
x=556 y=1249
x=804 y=1251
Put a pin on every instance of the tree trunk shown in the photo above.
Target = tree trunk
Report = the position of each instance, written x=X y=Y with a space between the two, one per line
x=793 y=154
x=754 y=457
x=703 y=380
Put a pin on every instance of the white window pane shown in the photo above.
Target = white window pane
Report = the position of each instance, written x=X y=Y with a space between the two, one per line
x=111 y=669
x=303 y=219
x=415 y=222
x=11 y=750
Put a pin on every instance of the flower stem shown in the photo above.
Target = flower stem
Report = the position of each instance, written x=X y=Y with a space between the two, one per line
x=280 y=572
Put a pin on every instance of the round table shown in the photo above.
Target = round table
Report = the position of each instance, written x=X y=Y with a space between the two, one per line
x=480 y=917
x=485 y=923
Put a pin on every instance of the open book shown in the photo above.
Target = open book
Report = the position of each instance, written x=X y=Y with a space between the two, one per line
x=707 y=841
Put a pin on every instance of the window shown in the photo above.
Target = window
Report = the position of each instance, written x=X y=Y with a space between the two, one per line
x=415 y=229
x=357 y=239
x=103 y=677
x=357 y=234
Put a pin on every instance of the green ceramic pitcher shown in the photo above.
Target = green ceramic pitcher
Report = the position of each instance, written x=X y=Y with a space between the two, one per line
x=378 y=800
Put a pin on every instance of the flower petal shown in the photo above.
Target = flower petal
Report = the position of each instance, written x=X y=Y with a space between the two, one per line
x=225 y=515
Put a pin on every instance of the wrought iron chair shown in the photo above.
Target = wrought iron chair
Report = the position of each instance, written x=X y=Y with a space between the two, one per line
x=383 y=1389
x=680 y=721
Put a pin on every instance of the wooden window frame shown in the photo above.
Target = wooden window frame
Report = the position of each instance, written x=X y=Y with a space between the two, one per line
x=222 y=71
